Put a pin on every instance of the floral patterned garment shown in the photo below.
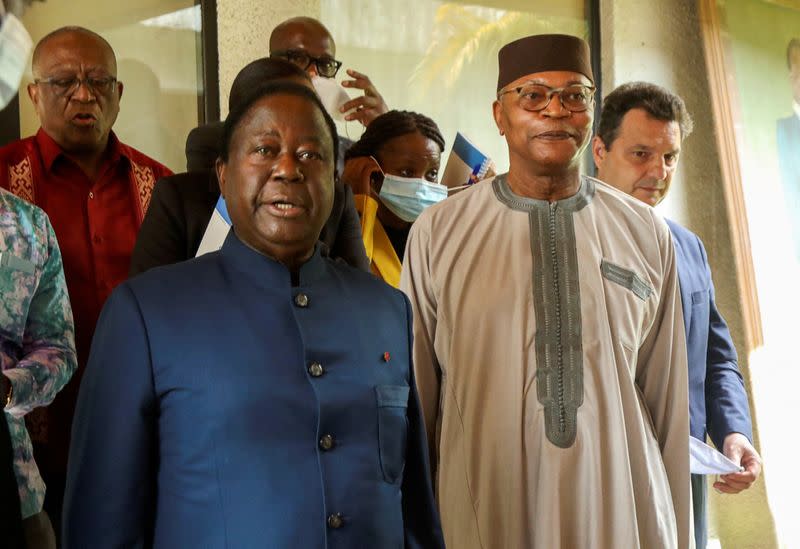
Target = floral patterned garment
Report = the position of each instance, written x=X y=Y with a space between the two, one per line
x=37 y=336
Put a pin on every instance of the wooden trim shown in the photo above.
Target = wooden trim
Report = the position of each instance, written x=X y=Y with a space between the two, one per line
x=725 y=101
x=208 y=107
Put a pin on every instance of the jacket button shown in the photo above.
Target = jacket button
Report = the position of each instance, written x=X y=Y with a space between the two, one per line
x=326 y=442
x=315 y=369
x=301 y=300
x=335 y=520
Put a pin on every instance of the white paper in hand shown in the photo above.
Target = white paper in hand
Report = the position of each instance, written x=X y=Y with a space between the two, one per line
x=706 y=460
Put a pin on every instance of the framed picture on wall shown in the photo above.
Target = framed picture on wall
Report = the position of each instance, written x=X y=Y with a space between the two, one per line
x=752 y=52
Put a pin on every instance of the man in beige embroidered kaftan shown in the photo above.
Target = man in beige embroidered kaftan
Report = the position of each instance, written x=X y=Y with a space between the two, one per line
x=548 y=337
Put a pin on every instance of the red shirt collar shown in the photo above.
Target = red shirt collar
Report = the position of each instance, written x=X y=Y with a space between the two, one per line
x=50 y=150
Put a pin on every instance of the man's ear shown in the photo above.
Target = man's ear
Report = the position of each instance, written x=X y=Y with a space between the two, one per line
x=497 y=111
x=219 y=166
x=33 y=93
x=599 y=151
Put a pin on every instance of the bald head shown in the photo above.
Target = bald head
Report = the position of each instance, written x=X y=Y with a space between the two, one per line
x=75 y=90
x=56 y=38
x=302 y=33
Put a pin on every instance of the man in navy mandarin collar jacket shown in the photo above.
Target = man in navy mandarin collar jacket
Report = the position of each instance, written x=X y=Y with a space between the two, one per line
x=262 y=395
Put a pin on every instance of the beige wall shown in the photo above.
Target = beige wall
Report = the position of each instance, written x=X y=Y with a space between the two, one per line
x=243 y=28
x=661 y=42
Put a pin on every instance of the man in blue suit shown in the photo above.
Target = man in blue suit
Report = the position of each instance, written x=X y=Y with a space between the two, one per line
x=262 y=395
x=788 y=133
x=636 y=150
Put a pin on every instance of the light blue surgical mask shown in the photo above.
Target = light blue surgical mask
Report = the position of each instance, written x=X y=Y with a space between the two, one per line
x=407 y=197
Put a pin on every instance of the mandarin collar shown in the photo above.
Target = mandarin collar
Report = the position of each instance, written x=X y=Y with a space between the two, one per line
x=51 y=150
x=574 y=203
x=267 y=272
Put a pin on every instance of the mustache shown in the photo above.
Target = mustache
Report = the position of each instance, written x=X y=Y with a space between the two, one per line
x=558 y=129
x=658 y=184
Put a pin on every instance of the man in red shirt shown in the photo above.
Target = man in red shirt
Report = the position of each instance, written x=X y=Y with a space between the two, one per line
x=95 y=190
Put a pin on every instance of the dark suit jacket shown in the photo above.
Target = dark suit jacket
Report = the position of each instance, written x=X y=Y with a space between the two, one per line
x=717 y=398
x=181 y=207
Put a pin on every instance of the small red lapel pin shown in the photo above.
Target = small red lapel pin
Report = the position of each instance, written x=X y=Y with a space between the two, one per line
x=386 y=356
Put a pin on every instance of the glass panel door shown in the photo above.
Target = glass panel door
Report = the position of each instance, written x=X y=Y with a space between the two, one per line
x=159 y=63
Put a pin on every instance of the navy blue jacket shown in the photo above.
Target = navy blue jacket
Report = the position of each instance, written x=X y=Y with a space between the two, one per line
x=717 y=398
x=224 y=408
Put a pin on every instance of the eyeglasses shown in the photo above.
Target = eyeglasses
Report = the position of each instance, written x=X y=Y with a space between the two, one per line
x=536 y=97
x=68 y=85
x=326 y=66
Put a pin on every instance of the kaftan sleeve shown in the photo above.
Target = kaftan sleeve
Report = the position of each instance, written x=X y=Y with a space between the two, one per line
x=417 y=283
x=420 y=516
x=110 y=493
x=662 y=376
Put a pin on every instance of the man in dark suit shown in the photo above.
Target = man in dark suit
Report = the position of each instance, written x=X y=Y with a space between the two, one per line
x=636 y=150
x=788 y=130
x=181 y=206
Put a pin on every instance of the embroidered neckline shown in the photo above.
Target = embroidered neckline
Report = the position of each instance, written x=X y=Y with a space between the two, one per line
x=573 y=203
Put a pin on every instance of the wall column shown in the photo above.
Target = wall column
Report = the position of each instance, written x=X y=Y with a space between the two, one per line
x=243 y=29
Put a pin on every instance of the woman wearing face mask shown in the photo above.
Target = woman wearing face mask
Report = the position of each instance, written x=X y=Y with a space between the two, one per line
x=393 y=170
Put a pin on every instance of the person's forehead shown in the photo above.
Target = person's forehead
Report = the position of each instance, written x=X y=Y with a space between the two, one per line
x=553 y=79
x=311 y=38
x=280 y=113
x=77 y=49
x=410 y=146
x=640 y=127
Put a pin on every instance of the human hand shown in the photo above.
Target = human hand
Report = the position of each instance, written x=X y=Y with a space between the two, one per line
x=358 y=173
x=739 y=450
x=368 y=106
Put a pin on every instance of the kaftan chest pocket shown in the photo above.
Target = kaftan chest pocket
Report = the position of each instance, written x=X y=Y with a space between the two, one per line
x=627 y=295
x=392 y=403
x=626 y=278
x=17 y=286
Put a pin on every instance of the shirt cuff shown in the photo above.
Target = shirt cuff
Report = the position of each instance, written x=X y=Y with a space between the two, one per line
x=19 y=379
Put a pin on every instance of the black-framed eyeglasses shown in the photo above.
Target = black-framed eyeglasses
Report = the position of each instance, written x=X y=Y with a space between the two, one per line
x=67 y=85
x=326 y=66
x=536 y=97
